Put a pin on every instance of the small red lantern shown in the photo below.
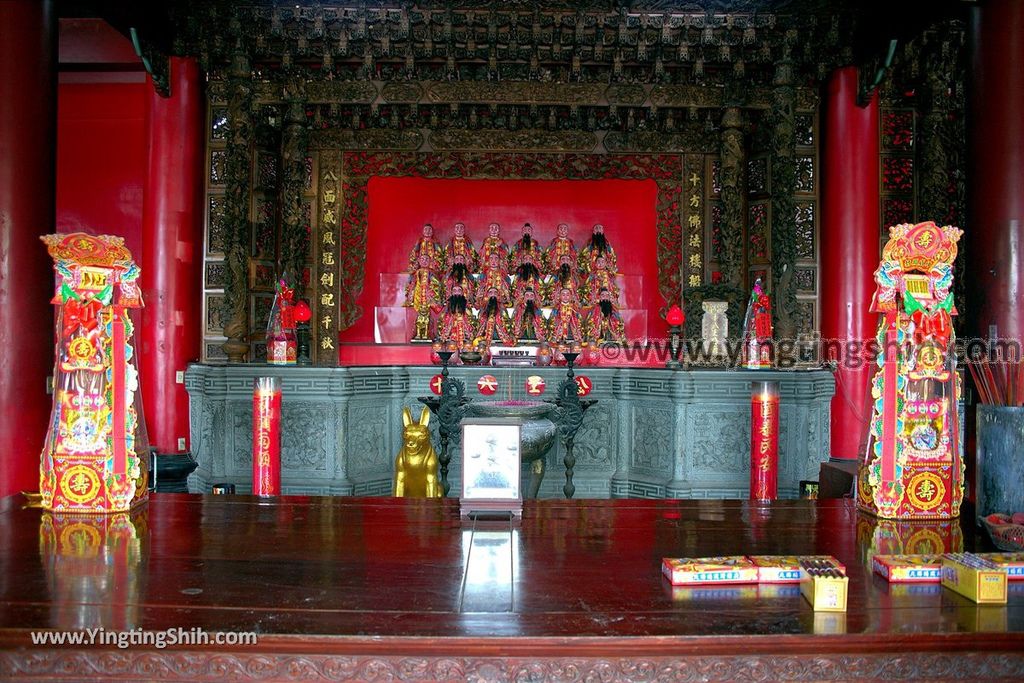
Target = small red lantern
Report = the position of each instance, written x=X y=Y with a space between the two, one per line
x=675 y=316
x=302 y=311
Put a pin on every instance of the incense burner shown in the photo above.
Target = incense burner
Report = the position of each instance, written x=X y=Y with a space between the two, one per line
x=538 y=431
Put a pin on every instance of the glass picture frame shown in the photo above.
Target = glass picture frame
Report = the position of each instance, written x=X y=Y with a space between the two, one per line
x=491 y=465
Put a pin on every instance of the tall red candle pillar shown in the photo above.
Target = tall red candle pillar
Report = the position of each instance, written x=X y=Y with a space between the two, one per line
x=266 y=436
x=28 y=131
x=764 y=441
x=171 y=257
x=849 y=246
x=994 y=235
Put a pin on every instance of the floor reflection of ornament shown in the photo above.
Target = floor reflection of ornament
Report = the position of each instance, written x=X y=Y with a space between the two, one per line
x=93 y=564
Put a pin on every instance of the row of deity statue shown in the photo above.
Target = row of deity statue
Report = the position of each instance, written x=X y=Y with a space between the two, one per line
x=510 y=294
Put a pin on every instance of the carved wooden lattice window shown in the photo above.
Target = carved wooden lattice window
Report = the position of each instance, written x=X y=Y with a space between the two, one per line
x=214 y=233
x=807 y=226
x=898 y=137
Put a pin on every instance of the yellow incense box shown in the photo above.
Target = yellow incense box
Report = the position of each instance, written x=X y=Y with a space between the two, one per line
x=974 y=577
x=1013 y=563
x=825 y=589
x=909 y=568
x=687 y=571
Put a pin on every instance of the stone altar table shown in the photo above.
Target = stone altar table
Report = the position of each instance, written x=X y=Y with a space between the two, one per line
x=655 y=433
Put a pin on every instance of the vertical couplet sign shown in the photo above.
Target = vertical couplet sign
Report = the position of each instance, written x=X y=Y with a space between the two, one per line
x=764 y=441
x=266 y=436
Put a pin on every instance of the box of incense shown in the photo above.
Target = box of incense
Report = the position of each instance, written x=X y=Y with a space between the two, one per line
x=697 y=571
x=974 y=577
x=825 y=589
x=788 y=568
x=1012 y=562
x=909 y=568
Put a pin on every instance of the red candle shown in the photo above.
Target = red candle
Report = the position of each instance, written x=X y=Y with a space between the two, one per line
x=764 y=441
x=266 y=436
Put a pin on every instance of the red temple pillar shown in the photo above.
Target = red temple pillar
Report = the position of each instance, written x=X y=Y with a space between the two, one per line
x=994 y=236
x=849 y=254
x=171 y=258
x=28 y=136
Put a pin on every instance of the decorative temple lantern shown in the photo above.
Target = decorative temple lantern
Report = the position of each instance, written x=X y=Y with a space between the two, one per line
x=764 y=440
x=266 y=436
x=675 y=319
x=913 y=467
x=91 y=462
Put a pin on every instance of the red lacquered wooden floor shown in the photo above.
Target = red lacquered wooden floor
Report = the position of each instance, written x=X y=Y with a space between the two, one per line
x=386 y=589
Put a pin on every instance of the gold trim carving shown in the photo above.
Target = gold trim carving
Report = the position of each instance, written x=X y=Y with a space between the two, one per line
x=807 y=99
x=401 y=92
x=629 y=94
x=530 y=140
x=686 y=96
x=407 y=139
x=693 y=139
x=515 y=92
x=340 y=91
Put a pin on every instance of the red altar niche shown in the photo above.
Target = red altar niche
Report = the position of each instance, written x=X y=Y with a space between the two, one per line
x=913 y=468
x=91 y=462
x=561 y=213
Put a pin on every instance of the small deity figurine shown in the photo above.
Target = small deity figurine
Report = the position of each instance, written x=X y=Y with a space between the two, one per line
x=526 y=248
x=566 y=277
x=757 y=329
x=527 y=275
x=565 y=323
x=493 y=323
x=601 y=277
x=429 y=247
x=494 y=276
x=595 y=247
x=460 y=275
x=282 y=343
x=561 y=246
x=460 y=245
x=423 y=293
x=493 y=244
x=603 y=321
x=457 y=321
x=528 y=322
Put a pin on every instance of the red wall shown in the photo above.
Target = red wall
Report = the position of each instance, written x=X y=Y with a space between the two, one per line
x=101 y=160
x=399 y=206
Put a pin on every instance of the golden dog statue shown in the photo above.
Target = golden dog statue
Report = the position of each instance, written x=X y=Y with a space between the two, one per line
x=416 y=464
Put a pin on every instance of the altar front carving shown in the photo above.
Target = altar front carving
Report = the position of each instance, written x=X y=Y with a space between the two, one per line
x=653 y=433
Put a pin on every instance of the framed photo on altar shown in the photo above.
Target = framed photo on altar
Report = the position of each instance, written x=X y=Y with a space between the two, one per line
x=491 y=457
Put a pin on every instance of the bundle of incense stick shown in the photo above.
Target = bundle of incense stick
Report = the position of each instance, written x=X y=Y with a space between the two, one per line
x=830 y=572
x=999 y=382
x=811 y=566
